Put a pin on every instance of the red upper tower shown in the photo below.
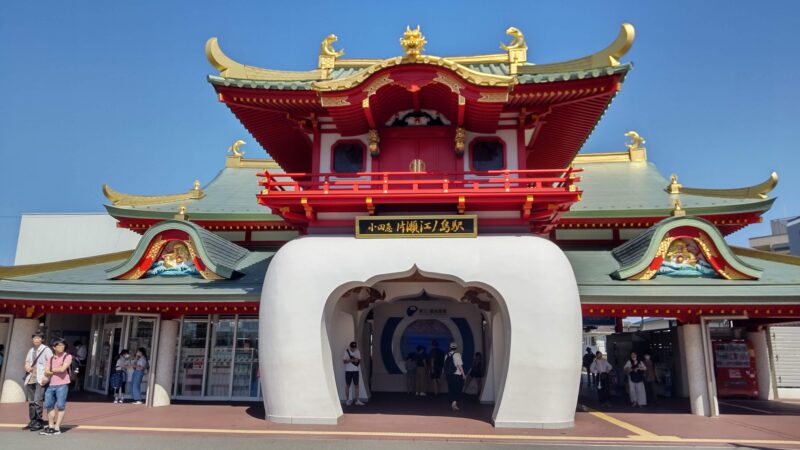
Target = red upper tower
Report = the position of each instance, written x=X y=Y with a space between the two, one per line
x=490 y=135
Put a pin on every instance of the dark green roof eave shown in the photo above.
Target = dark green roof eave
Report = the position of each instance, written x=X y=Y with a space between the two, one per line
x=132 y=213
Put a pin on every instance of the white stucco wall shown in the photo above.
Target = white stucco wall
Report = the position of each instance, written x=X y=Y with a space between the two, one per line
x=56 y=237
x=536 y=385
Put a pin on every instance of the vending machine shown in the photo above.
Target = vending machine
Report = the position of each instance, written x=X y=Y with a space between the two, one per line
x=735 y=368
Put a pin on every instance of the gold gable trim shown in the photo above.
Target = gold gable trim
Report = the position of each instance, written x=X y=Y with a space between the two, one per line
x=122 y=199
x=758 y=191
x=608 y=57
x=33 y=269
x=229 y=68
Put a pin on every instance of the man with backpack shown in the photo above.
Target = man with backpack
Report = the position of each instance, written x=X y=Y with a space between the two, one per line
x=454 y=369
x=35 y=380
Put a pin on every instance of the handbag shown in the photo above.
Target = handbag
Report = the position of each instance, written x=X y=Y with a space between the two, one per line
x=356 y=363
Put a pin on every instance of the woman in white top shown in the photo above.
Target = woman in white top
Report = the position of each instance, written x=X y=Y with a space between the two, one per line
x=602 y=373
x=636 y=370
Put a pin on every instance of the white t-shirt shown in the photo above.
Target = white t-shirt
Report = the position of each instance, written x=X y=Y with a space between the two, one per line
x=457 y=361
x=348 y=366
x=600 y=366
x=122 y=363
x=45 y=354
x=80 y=353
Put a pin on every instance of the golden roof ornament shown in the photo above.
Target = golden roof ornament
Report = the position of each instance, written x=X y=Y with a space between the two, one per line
x=234 y=148
x=674 y=187
x=678 y=209
x=328 y=55
x=517 y=49
x=196 y=185
x=413 y=42
x=636 y=151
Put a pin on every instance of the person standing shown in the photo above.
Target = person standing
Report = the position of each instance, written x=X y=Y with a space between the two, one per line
x=436 y=359
x=35 y=380
x=140 y=366
x=352 y=359
x=421 y=372
x=475 y=373
x=55 y=397
x=601 y=370
x=454 y=370
x=411 y=373
x=79 y=354
x=119 y=376
x=650 y=380
x=636 y=371
x=588 y=359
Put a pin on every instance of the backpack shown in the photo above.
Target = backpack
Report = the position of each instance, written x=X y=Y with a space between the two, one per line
x=449 y=364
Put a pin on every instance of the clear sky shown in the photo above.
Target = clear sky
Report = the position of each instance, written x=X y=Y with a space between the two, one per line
x=115 y=92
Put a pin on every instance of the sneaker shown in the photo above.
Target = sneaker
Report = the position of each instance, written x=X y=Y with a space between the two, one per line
x=137 y=402
x=29 y=425
x=52 y=432
x=36 y=426
x=359 y=403
x=348 y=402
x=454 y=406
x=45 y=431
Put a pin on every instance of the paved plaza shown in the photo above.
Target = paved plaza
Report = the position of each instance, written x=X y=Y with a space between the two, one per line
x=94 y=423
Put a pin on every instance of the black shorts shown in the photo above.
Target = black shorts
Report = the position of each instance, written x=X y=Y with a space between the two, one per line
x=351 y=378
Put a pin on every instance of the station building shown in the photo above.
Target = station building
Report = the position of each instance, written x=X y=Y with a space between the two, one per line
x=411 y=199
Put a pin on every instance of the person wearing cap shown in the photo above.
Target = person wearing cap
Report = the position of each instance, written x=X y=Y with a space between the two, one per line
x=351 y=359
x=454 y=369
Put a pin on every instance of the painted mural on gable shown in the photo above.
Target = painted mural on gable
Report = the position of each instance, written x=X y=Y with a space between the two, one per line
x=685 y=259
x=175 y=261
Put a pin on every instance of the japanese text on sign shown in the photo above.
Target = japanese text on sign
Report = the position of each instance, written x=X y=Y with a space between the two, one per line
x=427 y=226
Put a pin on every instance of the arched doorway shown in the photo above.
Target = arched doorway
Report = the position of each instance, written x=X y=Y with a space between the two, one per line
x=534 y=319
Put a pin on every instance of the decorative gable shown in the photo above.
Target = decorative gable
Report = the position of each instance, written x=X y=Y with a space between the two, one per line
x=681 y=247
x=176 y=248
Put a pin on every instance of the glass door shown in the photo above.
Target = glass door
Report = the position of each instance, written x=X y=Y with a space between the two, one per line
x=245 y=368
x=220 y=357
x=104 y=349
x=192 y=357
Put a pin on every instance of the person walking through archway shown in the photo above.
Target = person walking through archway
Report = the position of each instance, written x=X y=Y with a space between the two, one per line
x=636 y=371
x=601 y=369
x=436 y=359
x=454 y=369
x=351 y=359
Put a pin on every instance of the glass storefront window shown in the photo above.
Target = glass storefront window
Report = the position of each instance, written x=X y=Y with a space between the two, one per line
x=245 y=369
x=192 y=357
x=220 y=357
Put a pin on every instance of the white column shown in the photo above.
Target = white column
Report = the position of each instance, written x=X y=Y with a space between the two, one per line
x=692 y=353
x=165 y=365
x=761 y=349
x=16 y=350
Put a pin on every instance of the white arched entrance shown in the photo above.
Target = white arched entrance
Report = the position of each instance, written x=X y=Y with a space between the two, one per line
x=538 y=322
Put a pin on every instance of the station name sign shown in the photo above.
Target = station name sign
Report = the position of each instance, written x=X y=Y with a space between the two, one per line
x=372 y=227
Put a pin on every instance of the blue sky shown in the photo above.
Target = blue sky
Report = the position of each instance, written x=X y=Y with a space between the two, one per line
x=115 y=92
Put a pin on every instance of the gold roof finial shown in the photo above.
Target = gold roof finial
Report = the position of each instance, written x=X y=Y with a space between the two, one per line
x=678 y=209
x=517 y=49
x=328 y=55
x=636 y=151
x=674 y=187
x=196 y=185
x=413 y=42
x=181 y=213
x=234 y=148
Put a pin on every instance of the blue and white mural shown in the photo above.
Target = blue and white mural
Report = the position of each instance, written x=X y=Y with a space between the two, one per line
x=175 y=261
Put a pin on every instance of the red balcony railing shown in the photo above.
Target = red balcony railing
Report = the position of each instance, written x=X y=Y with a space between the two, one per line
x=540 y=196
